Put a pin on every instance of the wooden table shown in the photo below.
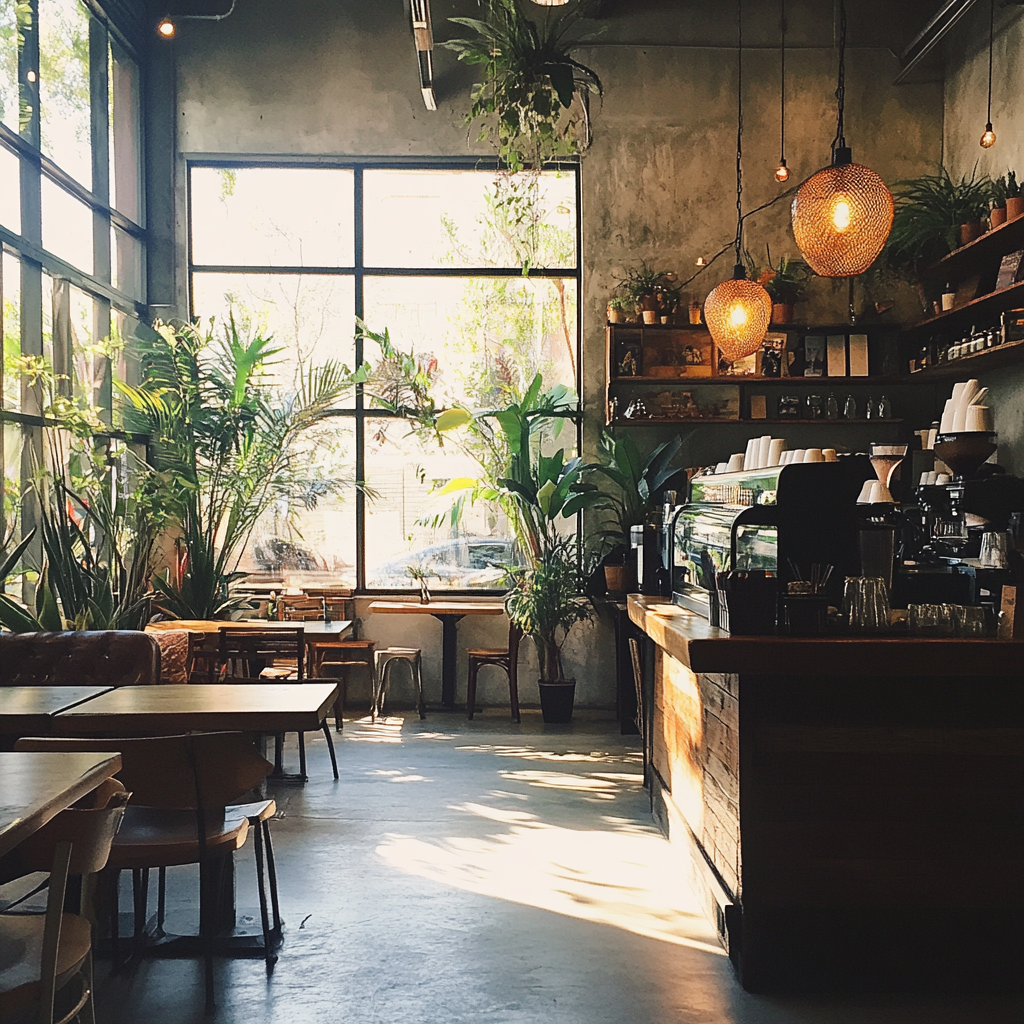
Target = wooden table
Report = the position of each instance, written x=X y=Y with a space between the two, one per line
x=29 y=710
x=449 y=612
x=36 y=786
x=165 y=710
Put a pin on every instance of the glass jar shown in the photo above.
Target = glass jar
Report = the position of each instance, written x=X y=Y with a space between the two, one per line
x=815 y=407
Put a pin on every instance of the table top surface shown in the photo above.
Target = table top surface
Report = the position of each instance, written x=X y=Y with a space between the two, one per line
x=44 y=700
x=312 y=628
x=36 y=786
x=453 y=606
x=255 y=707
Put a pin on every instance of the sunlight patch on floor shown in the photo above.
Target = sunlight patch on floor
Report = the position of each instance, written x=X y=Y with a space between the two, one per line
x=626 y=879
x=532 y=754
x=384 y=730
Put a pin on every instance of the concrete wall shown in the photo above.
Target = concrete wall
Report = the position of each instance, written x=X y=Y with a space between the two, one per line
x=966 y=90
x=316 y=77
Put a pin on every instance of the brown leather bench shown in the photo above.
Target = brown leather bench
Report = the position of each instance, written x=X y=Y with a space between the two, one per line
x=101 y=658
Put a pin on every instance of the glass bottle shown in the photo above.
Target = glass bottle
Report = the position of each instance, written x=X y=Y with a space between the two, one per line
x=850 y=408
x=884 y=408
x=869 y=412
x=832 y=408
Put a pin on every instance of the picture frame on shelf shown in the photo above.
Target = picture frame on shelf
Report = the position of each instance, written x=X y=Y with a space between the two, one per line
x=1009 y=269
x=814 y=355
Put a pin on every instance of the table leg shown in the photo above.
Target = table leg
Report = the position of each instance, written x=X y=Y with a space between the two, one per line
x=449 y=658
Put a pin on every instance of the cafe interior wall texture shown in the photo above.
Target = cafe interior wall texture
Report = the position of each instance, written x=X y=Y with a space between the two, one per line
x=966 y=89
x=315 y=77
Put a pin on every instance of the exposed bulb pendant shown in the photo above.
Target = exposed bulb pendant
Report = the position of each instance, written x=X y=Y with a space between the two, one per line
x=738 y=312
x=782 y=171
x=988 y=137
x=842 y=215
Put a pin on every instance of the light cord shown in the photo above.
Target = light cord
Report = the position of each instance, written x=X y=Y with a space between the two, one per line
x=782 y=144
x=839 y=142
x=991 y=39
x=739 y=134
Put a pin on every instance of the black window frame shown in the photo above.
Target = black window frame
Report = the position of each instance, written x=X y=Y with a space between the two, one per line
x=360 y=412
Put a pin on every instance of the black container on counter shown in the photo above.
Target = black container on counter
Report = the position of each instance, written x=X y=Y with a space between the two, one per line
x=747 y=602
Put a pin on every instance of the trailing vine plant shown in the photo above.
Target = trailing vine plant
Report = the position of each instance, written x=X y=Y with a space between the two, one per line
x=534 y=101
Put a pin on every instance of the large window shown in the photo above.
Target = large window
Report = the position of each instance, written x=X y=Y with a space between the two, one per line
x=474 y=271
x=72 y=272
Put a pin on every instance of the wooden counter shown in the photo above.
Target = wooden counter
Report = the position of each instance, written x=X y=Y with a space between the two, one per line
x=854 y=807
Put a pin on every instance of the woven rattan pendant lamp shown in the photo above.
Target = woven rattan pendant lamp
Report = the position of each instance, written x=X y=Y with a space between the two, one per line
x=738 y=312
x=843 y=214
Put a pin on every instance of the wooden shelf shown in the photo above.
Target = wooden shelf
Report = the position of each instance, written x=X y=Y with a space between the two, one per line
x=993 y=244
x=978 y=310
x=659 y=420
x=979 y=362
x=772 y=381
x=696 y=328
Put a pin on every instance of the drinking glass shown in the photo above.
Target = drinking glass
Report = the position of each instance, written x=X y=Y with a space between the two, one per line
x=994 y=549
x=866 y=604
x=972 y=621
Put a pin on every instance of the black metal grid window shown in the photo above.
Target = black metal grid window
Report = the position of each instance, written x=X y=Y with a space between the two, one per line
x=356 y=284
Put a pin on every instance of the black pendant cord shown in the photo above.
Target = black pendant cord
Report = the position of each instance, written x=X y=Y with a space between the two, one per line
x=739 y=135
x=782 y=119
x=839 y=147
x=991 y=40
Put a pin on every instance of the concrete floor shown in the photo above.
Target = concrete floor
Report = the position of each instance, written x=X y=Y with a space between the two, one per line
x=488 y=873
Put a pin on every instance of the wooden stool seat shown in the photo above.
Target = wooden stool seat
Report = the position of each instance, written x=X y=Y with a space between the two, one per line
x=507 y=660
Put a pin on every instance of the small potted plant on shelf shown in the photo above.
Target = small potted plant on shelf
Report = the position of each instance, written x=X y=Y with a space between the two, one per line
x=651 y=291
x=618 y=309
x=786 y=283
x=1014 y=198
x=997 y=213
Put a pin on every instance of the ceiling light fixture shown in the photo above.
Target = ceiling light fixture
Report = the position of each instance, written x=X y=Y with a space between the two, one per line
x=988 y=137
x=738 y=312
x=166 y=27
x=782 y=171
x=842 y=215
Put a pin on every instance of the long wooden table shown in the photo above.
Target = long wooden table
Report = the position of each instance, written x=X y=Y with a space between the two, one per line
x=36 y=786
x=29 y=710
x=449 y=612
x=165 y=710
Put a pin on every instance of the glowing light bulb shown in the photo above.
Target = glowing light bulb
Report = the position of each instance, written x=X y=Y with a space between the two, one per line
x=700 y=261
x=841 y=215
x=166 y=28
x=988 y=137
x=738 y=315
x=782 y=171
x=31 y=76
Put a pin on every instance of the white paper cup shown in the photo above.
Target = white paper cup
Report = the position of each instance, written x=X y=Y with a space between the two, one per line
x=829 y=454
x=798 y=455
x=943 y=478
x=813 y=455
x=722 y=467
x=775 y=451
x=979 y=418
x=864 y=497
x=735 y=464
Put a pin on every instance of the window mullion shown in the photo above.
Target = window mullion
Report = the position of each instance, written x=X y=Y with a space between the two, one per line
x=357 y=193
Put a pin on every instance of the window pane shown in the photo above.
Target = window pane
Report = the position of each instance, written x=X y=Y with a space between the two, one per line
x=125 y=134
x=308 y=537
x=11 y=284
x=64 y=86
x=88 y=361
x=311 y=318
x=10 y=191
x=126 y=263
x=409 y=524
x=9 y=64
x=13 y=441
x=272 y=217
x=486 y=333
x=67 y=226
x=123 y=328
x=469 y=219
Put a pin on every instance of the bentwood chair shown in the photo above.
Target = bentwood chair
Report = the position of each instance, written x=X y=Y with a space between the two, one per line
x=44 y=954
x=184 y=812
x=507 y=660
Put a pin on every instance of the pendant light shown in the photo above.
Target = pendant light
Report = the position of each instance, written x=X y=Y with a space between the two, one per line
x=843 y=214
x=782 y=171
x=738 y=312
x=988 y=137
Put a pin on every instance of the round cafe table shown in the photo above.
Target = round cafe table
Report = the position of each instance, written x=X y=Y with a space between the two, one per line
x=449 y=612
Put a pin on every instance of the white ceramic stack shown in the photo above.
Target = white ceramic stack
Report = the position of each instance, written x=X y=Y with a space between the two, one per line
x=965 y=410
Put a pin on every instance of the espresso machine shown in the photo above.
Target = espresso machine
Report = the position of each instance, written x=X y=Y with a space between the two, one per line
x=773 y=521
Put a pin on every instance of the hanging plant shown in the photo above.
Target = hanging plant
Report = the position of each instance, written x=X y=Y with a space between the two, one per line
x=534 y=101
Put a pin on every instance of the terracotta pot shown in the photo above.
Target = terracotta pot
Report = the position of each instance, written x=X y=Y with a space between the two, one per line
x=615 y=578
x=615 y=315
x=997 y=216
x=650 y=316
x=969 y=232
x=1014 y=207
x=782 y=312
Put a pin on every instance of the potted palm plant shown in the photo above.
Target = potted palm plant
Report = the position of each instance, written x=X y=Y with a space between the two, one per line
x=651 y=291
x=785 y=282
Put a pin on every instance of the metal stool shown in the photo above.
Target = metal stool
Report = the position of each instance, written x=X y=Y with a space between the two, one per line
x=382 y=662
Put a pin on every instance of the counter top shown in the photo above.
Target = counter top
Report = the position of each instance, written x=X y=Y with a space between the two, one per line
x=690 y=639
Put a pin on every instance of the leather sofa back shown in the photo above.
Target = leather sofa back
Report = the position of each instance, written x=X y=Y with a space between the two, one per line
x=101 y=658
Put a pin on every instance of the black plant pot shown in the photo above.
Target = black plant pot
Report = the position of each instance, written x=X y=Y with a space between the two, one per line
x=556 y=700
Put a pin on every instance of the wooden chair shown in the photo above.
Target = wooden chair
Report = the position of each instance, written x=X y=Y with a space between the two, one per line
x=344 y=655
x=507 y=660
x=311 y=609
x=185 y=811
x=45 y=953
x=245 y=653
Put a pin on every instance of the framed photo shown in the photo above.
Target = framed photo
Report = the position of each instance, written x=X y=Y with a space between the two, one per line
x=1009 y=269
x=814 y=355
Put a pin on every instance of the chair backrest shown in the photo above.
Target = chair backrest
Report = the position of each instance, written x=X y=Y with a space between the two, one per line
x=253 y=647
x=198 y=770
x=110 y=657
x=515 y=638
x=89 y=826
